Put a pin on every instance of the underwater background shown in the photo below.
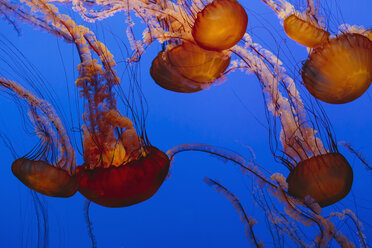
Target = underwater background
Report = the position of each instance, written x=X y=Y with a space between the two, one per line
x=185 y=212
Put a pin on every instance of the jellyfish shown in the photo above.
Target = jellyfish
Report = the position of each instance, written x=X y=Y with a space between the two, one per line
x=191 y=30
x=38 y=175
x=220 y=25
x=188 y=68
x=315 y=170
x=120 y=167
x=305 y=33
x=338 y=69
x=274 y=188
x=327 y=178
x=306 y=28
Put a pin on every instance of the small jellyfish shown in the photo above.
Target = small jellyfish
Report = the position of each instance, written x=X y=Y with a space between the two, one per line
x=340 y=70
x=304 y=32
x=306 y=28
x=188 y=68
x=220 y=25
x=45 y=178
x=39 y=172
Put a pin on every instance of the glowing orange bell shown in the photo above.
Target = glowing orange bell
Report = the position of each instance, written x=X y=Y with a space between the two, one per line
x=44 y=178
x=304 y=32
x=220 y=25
x=340 y=70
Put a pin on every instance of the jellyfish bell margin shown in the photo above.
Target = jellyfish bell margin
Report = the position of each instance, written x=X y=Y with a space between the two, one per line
x=127 y=184
x=327 y=178
x=340 y=70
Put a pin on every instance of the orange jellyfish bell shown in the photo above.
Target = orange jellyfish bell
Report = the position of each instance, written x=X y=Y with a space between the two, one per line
x=188 y=68
x=44 y=178
x=127 y=184
x=54 y=177
x=368 y=34
x=168 y=78
x=327 y=178
x=340 y=70
x=304 y=32
x=220 y=25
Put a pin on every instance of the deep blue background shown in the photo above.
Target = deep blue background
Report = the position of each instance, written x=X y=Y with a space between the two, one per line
x=185 y=212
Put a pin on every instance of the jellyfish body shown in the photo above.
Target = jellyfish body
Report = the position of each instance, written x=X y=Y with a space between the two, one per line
x=220 y=25
x=304 y=32
x=44 y=178
x=52 y=178
x=188 y=68
x=127 y=184
x=340 y=70
x=327 y=178
x=120 y=169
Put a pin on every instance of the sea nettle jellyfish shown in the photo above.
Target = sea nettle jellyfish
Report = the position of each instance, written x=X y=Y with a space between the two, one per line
x=197 y=37
x=220 y=25
x=188 y=68
x=338 y=69
x=304 y=32
x=121 y=167
x=55 y=177
x=316 y=171
x=306 y=28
